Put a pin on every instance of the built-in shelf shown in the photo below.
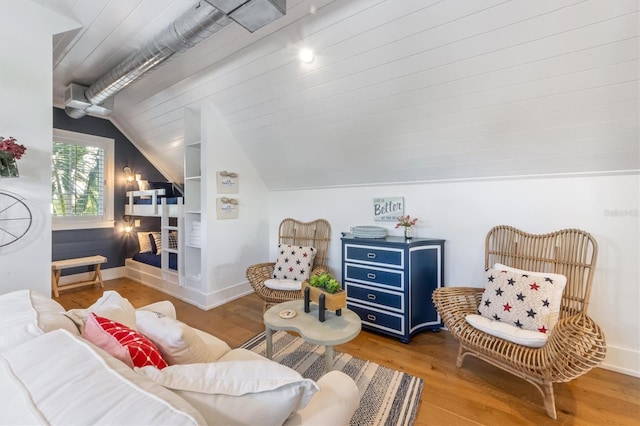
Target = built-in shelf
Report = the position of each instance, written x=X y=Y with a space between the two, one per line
x=193 y=188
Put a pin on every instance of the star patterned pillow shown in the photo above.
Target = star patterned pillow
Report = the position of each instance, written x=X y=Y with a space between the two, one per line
x=122 y=342
x=529 y=302
x=294 y=262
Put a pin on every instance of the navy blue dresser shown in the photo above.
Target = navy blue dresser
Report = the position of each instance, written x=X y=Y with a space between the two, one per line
x=389 y=282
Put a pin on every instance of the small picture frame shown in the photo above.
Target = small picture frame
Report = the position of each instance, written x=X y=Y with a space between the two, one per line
x=227 y=208
x=227 y=182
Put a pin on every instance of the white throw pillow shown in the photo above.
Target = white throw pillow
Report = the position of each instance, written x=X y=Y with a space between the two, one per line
x=294 y=262
x=277 y=284
x=238 y=392
x=533 y=339
x=559 y=281
x=178 y=343
x=527 y=301
x=111 y=305
x=163 y=307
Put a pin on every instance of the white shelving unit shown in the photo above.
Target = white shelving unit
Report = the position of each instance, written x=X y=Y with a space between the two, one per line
x=194 y=241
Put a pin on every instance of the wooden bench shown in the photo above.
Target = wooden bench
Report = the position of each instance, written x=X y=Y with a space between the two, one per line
x=58 y=265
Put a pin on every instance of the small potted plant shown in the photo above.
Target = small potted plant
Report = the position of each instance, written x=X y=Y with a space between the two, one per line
x=407 y=223
x=326 y=291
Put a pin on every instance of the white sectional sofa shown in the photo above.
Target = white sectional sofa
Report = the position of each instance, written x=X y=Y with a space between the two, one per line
x=51 y=374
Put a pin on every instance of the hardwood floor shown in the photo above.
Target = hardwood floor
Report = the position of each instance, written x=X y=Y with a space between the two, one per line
x=476 y=394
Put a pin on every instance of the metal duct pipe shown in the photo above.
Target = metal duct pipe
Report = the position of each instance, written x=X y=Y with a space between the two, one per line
x=191 y=28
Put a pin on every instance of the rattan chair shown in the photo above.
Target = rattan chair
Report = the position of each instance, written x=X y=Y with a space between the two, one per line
x=575 y=345
x=309 y=234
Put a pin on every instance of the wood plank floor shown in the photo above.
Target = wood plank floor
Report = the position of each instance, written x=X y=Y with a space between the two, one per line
x=476 y=394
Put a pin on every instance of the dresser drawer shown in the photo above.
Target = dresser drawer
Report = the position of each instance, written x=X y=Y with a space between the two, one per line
x=374 y=255
x=377 y=319
x=376 y=276
x=384 y=299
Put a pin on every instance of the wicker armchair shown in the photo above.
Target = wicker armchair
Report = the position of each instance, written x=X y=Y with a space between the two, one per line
x=576 y=343
x=310 y=234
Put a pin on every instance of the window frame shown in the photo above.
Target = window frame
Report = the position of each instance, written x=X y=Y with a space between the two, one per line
x=106 y=220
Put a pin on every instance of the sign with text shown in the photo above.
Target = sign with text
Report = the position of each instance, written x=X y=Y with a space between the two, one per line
x=228 y=182
x=388 y=209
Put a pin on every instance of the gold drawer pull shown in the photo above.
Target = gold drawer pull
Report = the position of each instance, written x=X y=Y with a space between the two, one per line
x=371 y=255
x=371 y=317
x=371 y=296
x=371 y=276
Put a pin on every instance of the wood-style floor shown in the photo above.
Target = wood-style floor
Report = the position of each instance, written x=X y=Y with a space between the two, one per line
x=476 y=394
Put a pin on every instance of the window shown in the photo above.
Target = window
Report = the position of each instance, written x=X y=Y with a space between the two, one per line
x=81 y=181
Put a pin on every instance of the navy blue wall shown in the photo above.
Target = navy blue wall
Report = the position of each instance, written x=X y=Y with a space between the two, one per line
x=108 y=242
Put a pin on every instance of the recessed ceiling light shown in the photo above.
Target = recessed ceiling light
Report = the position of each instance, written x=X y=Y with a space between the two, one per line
x=306 y=56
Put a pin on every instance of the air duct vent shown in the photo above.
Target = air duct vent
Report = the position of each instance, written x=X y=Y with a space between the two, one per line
x=253 y=14
x=74 y=98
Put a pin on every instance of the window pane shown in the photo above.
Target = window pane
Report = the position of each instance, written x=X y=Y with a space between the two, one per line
x=77 y=180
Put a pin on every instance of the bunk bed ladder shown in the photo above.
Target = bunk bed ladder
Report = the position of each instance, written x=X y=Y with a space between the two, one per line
x=165 y=228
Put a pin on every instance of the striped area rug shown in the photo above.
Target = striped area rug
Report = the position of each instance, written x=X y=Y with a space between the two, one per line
x=387 y=397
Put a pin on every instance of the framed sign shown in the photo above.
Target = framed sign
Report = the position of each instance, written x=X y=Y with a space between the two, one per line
x=227 y=182
x=388 y=209
x=227 y=208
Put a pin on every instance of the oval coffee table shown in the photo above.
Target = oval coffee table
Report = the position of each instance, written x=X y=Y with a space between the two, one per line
x=333 y=331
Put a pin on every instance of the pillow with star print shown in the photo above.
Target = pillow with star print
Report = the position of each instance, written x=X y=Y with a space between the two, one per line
x=524 y=299
x=294 y=262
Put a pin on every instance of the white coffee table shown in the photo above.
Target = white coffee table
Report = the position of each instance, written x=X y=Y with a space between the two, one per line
x=335 y=330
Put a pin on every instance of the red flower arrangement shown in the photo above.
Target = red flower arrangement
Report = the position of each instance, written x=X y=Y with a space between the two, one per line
x=406 y=221
x=11 y=149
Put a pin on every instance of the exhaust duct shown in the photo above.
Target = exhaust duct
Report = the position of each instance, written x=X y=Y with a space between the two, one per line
x=194 y=26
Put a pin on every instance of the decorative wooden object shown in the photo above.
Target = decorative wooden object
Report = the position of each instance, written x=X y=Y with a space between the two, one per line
x=331 y=301
x=58 y=265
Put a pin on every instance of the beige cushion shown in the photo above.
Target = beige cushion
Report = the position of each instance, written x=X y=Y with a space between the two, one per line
x=25 y=314
x=257 y=392
x=60 y=379
x=144 y=242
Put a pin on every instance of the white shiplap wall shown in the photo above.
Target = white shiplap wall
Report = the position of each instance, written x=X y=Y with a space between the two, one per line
x=400 y=91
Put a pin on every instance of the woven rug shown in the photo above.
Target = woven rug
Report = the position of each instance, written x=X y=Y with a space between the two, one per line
x=387 y=397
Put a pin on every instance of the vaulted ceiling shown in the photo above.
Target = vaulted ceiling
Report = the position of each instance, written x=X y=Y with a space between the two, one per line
x=399 y=91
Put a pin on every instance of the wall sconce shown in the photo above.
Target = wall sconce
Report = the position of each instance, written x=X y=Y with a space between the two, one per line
x=128 y=224
x=129 y=177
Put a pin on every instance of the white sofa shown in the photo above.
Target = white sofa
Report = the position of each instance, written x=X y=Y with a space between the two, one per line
x=50 y=374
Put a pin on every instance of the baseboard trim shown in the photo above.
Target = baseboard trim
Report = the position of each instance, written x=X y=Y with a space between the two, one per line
x=228 y=294
x=622 y=360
